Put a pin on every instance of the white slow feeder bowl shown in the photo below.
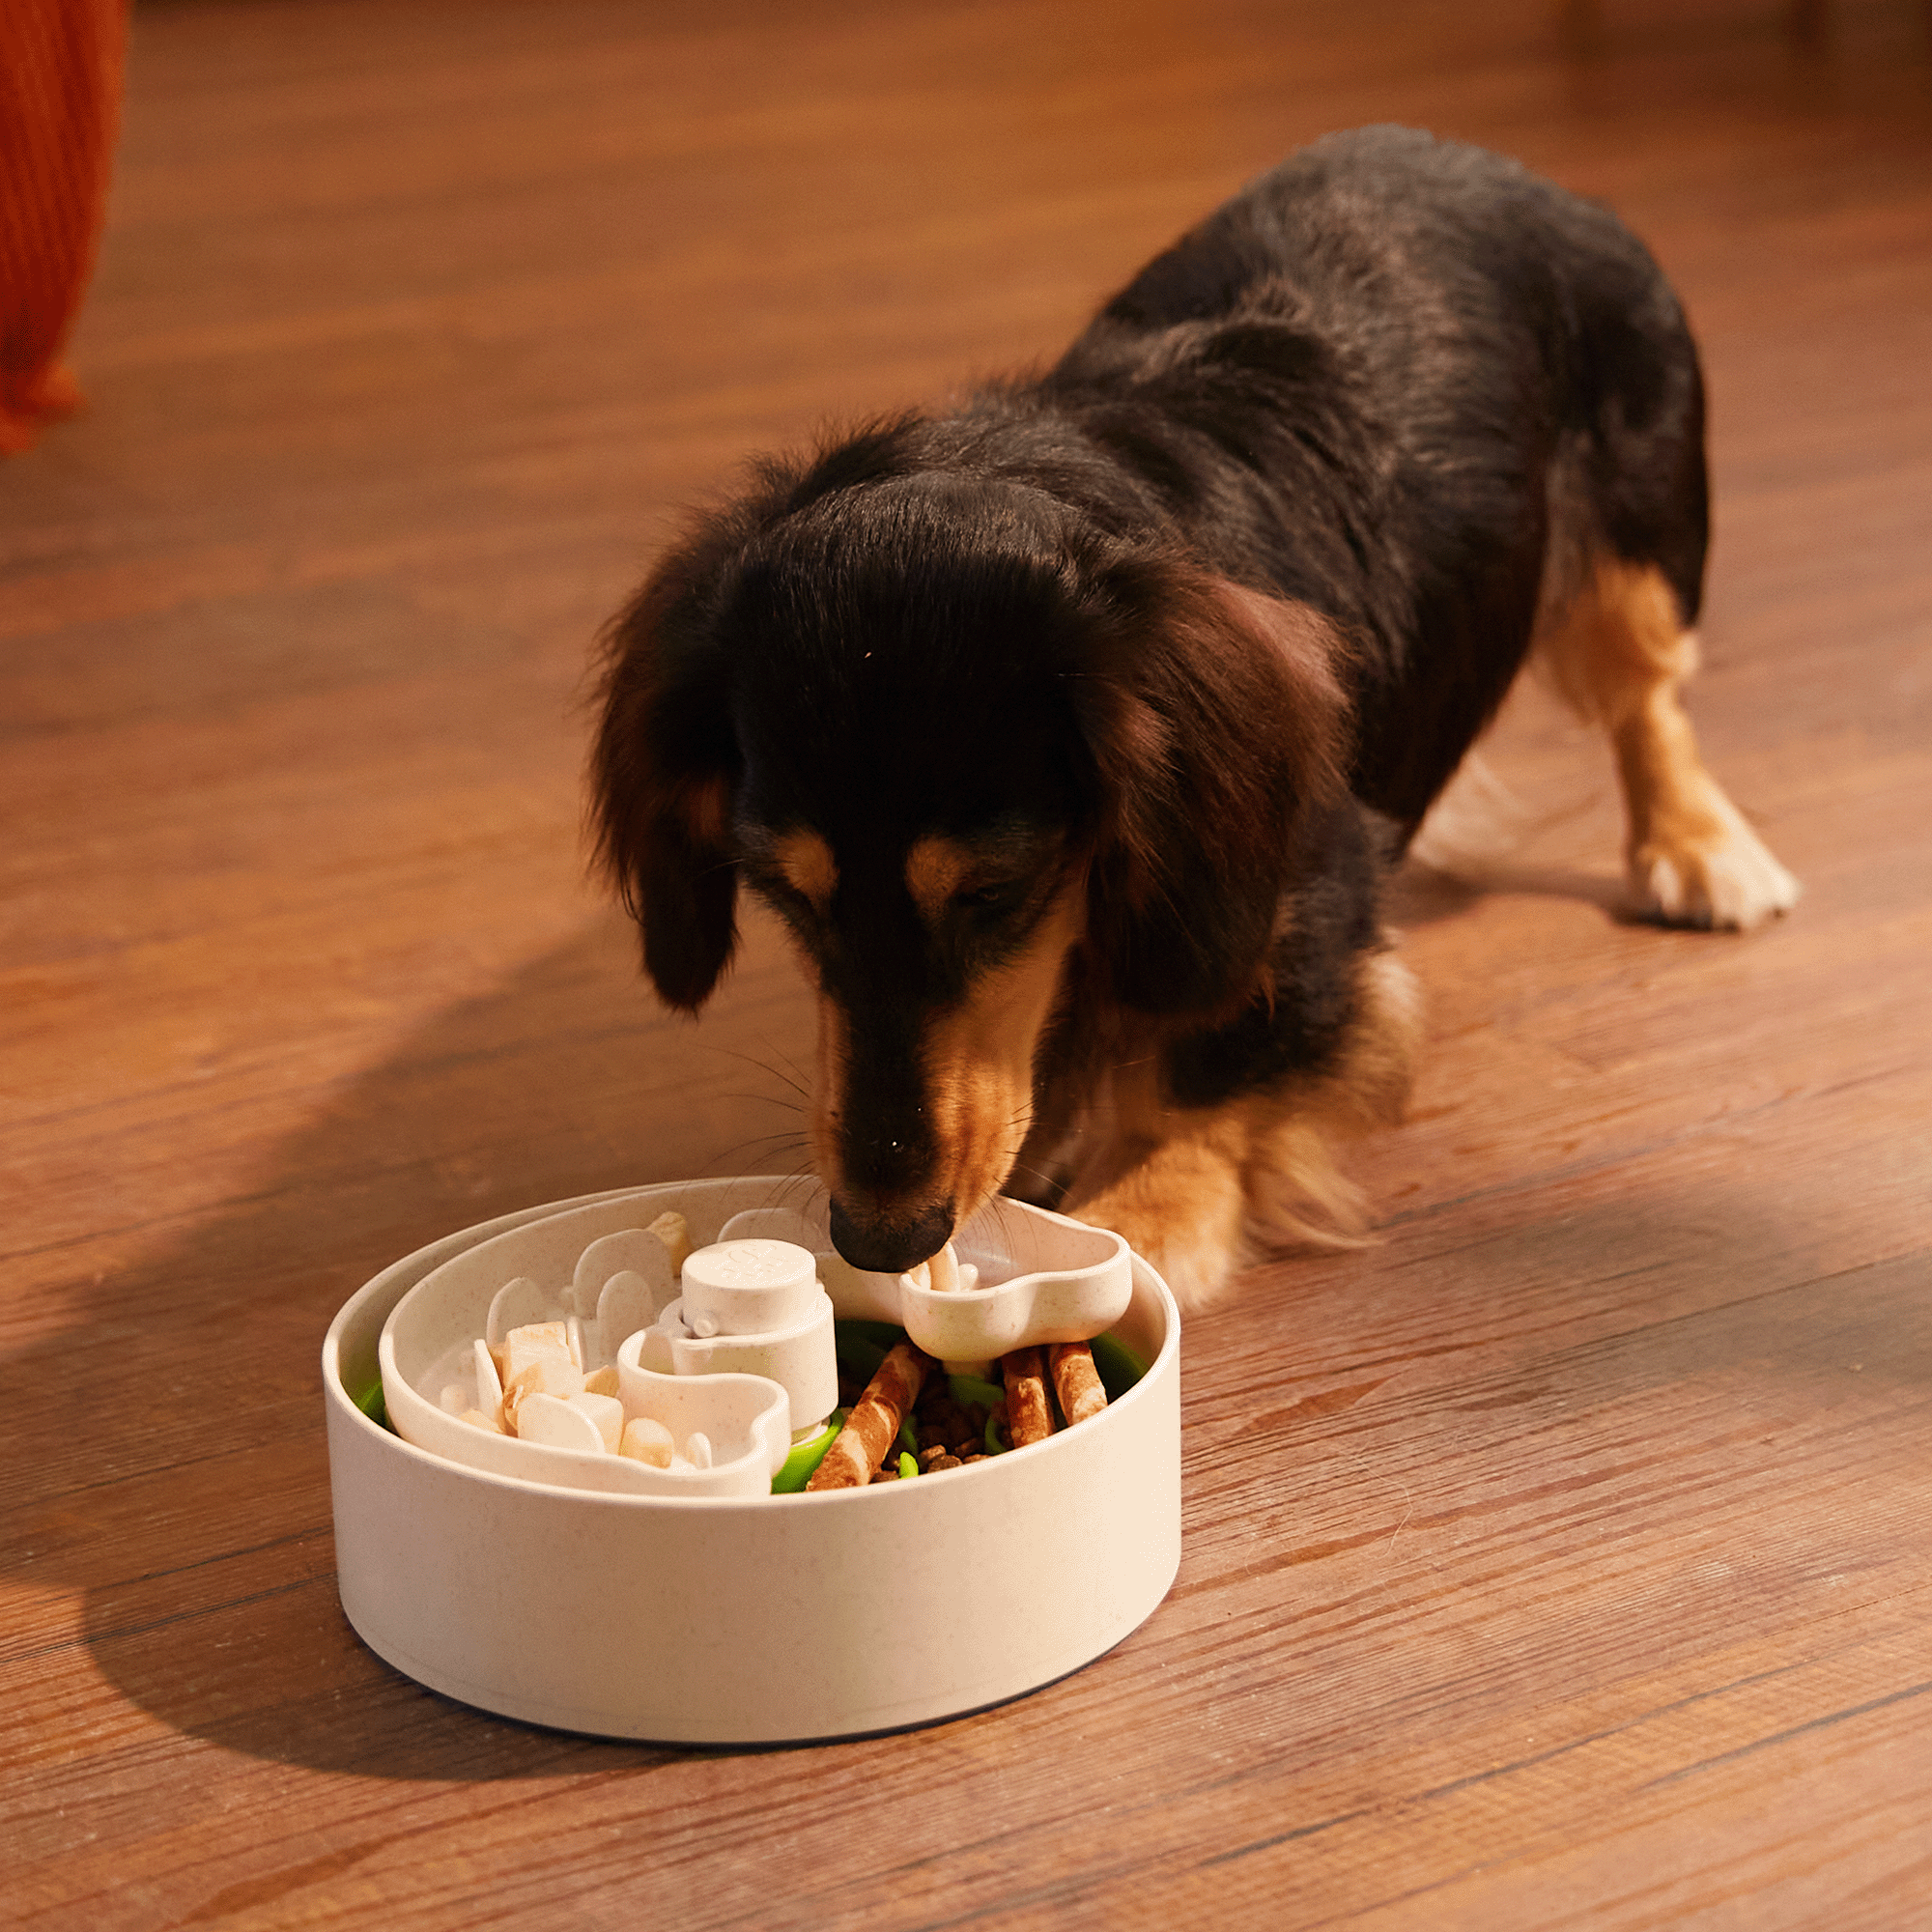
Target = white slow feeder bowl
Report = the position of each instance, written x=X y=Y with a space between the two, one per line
x=721 y=1620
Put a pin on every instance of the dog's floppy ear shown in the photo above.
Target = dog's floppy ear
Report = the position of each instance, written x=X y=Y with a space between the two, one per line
x=662 y=774
x=1215 y=718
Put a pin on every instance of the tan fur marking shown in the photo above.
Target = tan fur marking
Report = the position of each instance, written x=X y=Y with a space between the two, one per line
x=979 y=1060
x=1181 y=1183
x=934 y=870
x=806 y=862
x=1618 y=653
x=829 y=1095
x=707 y=809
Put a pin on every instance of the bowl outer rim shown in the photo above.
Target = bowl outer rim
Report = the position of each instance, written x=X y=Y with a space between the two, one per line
x=335 y=1391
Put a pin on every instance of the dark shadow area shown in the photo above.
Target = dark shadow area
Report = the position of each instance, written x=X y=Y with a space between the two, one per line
x=207 y=1555
x=1419 y=895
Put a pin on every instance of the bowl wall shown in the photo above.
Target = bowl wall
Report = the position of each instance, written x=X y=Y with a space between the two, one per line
x=769 y=1620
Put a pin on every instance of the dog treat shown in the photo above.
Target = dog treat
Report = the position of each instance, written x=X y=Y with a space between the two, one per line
x=545 y=1376
x=535 y=1341
x=606 y=1411
x=1077 y=1382
x=646 y=1440
x=602 y=1382
x=556 y=1423
x=672 y=1230
x=873 y=1426
x=1029 y=1413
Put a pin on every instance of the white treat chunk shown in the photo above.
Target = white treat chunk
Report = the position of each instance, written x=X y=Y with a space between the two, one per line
x=697 y=1450
x=646 y=1440
x=606 y=1411
x=477 y=1419
x=602 y=1382
x=547 y=1376
x=943 y=1271
x=455 y=1399
x=561 y=1424
x=535 y=1341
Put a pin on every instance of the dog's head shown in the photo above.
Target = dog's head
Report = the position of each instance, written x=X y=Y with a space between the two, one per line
x=982 y=761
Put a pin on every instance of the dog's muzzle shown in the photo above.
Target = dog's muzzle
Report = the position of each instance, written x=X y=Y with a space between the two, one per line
x=889 y=1244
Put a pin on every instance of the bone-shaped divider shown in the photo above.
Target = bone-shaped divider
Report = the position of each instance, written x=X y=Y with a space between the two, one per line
x=1010 y=1278
x=723 y=1434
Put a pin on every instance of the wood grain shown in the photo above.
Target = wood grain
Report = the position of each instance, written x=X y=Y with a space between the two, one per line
x=1561 y=1559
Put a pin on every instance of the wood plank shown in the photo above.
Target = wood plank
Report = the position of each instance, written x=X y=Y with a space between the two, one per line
x=1560 y=1558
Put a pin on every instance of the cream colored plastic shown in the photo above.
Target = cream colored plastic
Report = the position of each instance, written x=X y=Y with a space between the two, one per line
x=1036 y=1277
x=742 y=1620
x=750 y=1306
x=527 y=1275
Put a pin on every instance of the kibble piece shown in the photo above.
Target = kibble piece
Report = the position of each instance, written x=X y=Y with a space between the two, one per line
x=1077 y=1382
x=602 y=1382
x=646 y=1440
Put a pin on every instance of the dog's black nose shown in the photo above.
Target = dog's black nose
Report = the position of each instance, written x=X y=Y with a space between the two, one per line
x=889 y=1245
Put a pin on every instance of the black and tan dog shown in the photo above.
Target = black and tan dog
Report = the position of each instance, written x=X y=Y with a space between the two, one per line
x=1073 y=733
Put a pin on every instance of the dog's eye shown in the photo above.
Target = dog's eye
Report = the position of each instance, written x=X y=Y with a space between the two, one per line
x=997 y=897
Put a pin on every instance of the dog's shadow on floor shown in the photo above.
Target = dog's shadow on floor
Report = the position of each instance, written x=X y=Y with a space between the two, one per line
x=1420 y=895
x=566 y=1080
x=196 y=1522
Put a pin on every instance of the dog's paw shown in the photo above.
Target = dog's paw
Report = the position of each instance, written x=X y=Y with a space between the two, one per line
x=1720 y=875
x=1193 y=1251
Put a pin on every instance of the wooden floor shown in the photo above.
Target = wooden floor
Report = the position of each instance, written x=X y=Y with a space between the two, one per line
x=1564 y=1559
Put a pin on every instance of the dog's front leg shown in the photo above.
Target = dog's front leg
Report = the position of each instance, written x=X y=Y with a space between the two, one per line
x=1172 y=1180
x=1181 y=1205
x=1188 y=1186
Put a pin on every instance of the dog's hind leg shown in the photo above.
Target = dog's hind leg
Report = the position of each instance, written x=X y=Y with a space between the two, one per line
x=1619 y=652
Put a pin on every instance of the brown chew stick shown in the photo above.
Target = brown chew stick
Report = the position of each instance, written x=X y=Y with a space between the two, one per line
x=1028 y=1415
x=874 y=1425
x=1077 y=1382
